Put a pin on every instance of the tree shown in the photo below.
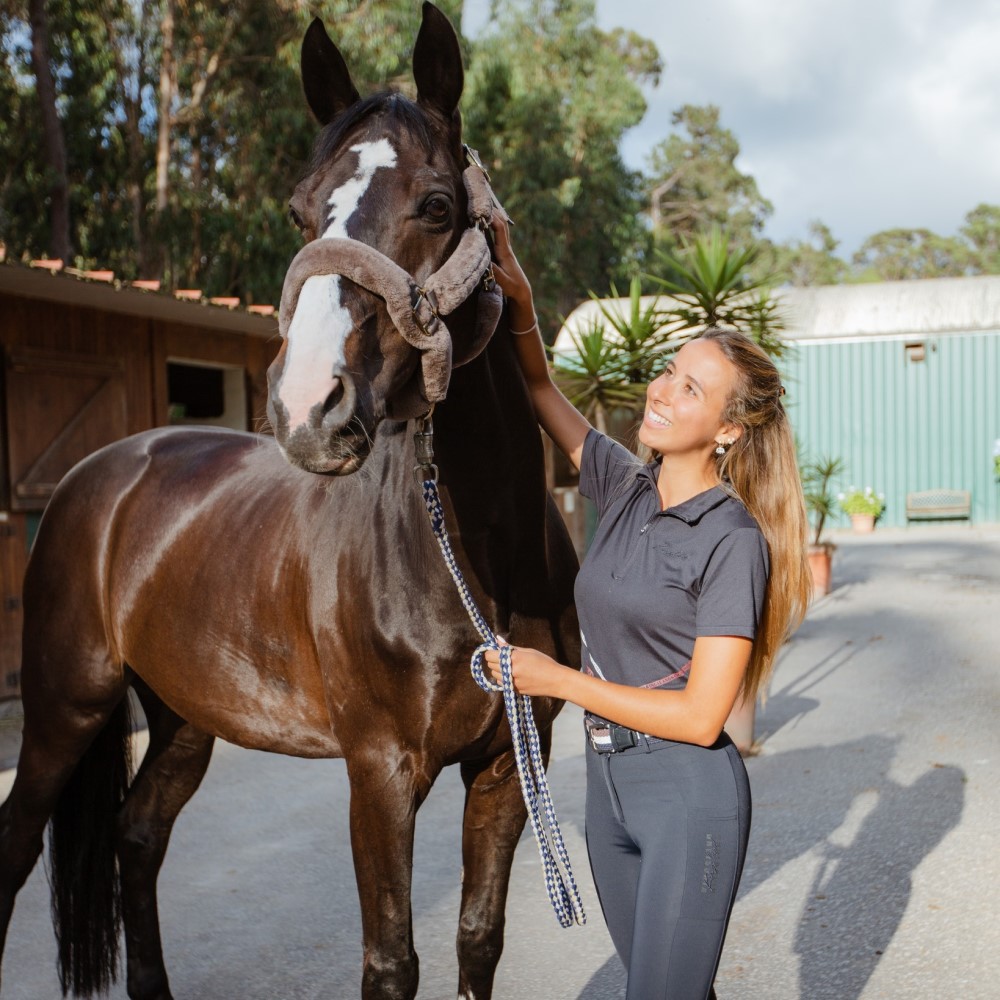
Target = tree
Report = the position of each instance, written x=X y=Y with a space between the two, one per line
x=805 y=262
x=694 y=182
x=184 y=131
x=548 y=98
x=982 y=232
x=898 y=254
x=55 y=146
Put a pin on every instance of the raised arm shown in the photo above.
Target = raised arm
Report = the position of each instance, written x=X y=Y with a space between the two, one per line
x=559 y=418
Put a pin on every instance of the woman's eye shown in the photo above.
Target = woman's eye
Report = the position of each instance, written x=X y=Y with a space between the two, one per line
x=437 y=209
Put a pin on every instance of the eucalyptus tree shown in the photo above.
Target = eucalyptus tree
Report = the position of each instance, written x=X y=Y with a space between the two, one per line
x=549 y=96
x=694 y=183
x=898 y=254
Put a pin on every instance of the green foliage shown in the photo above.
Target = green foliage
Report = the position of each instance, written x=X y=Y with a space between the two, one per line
x=616 y=355
x=548 y=97
x=710 y=282
x=896 y=254
x=804 y=262
x=891 y=255
x=695 y=185
x=239 y=130
x=596 y=378
x=820 y=503
x=861 y=501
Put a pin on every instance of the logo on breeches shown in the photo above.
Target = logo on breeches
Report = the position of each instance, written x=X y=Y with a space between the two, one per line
x=711 y=868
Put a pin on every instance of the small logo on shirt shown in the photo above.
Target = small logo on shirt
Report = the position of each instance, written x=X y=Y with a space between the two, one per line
x=711 y=868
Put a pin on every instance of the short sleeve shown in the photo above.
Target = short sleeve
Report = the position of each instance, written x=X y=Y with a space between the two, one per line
x=604 y=466
x=734 y=585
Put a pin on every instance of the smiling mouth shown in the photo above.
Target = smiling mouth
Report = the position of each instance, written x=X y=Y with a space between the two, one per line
x=657 y=420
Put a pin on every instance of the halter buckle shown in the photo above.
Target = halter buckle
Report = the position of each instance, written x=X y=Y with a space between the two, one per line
x=423 y=449
x=473 y=157
x=424 y=296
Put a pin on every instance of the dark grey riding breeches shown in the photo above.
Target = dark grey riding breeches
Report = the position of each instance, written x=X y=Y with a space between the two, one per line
x=667 y=831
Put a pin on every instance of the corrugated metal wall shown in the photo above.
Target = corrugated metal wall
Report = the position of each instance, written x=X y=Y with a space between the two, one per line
x=899 y=424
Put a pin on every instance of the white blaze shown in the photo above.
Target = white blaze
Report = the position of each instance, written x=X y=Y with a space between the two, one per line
x=317 y=337
x=345 y=199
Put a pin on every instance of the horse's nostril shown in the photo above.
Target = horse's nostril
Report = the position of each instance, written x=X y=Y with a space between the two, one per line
x=336 y=395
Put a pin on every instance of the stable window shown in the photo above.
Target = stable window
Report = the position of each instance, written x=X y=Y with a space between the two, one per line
x=200 y=393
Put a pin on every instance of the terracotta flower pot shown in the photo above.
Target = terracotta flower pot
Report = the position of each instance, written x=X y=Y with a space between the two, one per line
x=820 y=561
x=862 y=524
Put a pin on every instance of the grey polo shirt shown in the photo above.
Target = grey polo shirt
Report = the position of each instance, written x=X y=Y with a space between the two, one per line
x=654 y=580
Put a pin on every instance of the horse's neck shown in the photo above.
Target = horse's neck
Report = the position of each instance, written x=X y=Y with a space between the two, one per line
x=487 y=442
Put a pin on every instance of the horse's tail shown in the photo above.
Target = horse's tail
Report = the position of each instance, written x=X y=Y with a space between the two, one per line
x=86 y=890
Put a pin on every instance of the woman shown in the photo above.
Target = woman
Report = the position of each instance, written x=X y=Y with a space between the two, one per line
x=690 y=585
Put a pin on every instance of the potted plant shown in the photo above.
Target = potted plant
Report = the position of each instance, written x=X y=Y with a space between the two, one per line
x=863 y=506
x=820 y=505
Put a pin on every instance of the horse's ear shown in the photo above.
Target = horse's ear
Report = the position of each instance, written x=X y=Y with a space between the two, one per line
x=437 y=64
x=325 y=77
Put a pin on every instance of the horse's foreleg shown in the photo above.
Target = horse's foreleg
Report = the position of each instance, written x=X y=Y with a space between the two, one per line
x=494 y=818
x=171 y=771
x=386 y=790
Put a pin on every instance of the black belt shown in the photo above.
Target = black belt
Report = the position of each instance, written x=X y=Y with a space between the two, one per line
x=612 y=738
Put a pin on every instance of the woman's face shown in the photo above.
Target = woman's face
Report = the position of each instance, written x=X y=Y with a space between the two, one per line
x=684 y=404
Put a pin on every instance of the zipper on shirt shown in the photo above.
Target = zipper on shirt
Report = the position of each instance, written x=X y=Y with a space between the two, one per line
x=619 y=572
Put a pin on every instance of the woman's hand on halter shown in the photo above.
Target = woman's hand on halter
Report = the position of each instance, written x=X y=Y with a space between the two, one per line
x=533 y=672
x=510 y=277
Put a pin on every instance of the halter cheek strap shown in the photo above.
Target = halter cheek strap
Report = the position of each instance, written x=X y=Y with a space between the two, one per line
x=416 y=310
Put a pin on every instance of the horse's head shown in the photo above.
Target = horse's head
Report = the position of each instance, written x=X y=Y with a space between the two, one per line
x=383 y=207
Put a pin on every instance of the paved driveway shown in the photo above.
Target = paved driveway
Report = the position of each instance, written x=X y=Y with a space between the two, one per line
x=873 y=859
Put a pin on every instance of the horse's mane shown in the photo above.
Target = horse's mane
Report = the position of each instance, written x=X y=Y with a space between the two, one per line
x=390 y=104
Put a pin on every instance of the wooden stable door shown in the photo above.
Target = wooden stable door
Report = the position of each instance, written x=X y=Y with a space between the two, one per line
x=60 y=408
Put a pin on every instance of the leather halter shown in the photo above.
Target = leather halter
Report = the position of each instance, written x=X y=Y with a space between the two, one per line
x=416 y=310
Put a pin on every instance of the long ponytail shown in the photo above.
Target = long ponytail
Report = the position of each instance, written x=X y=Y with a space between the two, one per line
x=761 y=469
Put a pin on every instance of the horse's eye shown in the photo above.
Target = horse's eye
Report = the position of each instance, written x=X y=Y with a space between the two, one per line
x=296 y=219
x=437 y=208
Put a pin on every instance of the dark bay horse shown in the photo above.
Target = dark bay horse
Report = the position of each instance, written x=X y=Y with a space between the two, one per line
x=244 y=595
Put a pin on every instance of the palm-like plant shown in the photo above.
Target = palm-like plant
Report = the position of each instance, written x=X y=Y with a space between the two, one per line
x=709 y=280
x=595 y=378
x=642 y=330
x=820 y=501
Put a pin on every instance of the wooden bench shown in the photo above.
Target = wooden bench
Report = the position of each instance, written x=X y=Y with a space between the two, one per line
x=939 y=505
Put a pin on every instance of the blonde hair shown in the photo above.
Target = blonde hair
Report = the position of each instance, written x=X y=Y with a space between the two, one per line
x=760 y=468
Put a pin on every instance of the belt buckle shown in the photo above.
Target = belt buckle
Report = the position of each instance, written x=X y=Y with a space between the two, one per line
x=622 y=738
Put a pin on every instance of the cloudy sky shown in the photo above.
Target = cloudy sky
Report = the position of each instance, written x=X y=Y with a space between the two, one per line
x=866 y=114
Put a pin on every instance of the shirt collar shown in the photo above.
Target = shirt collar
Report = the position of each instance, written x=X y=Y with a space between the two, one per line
x=692 y=510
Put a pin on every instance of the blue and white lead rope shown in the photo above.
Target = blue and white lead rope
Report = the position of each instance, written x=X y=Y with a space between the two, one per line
x=559 y=882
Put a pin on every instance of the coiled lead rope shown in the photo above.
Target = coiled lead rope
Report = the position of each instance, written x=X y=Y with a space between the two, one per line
x=559 y=881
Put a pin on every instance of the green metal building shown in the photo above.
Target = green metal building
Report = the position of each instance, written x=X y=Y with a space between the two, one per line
x=901 y=380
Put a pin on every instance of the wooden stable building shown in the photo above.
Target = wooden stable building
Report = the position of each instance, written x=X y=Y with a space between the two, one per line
x=87 y=362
